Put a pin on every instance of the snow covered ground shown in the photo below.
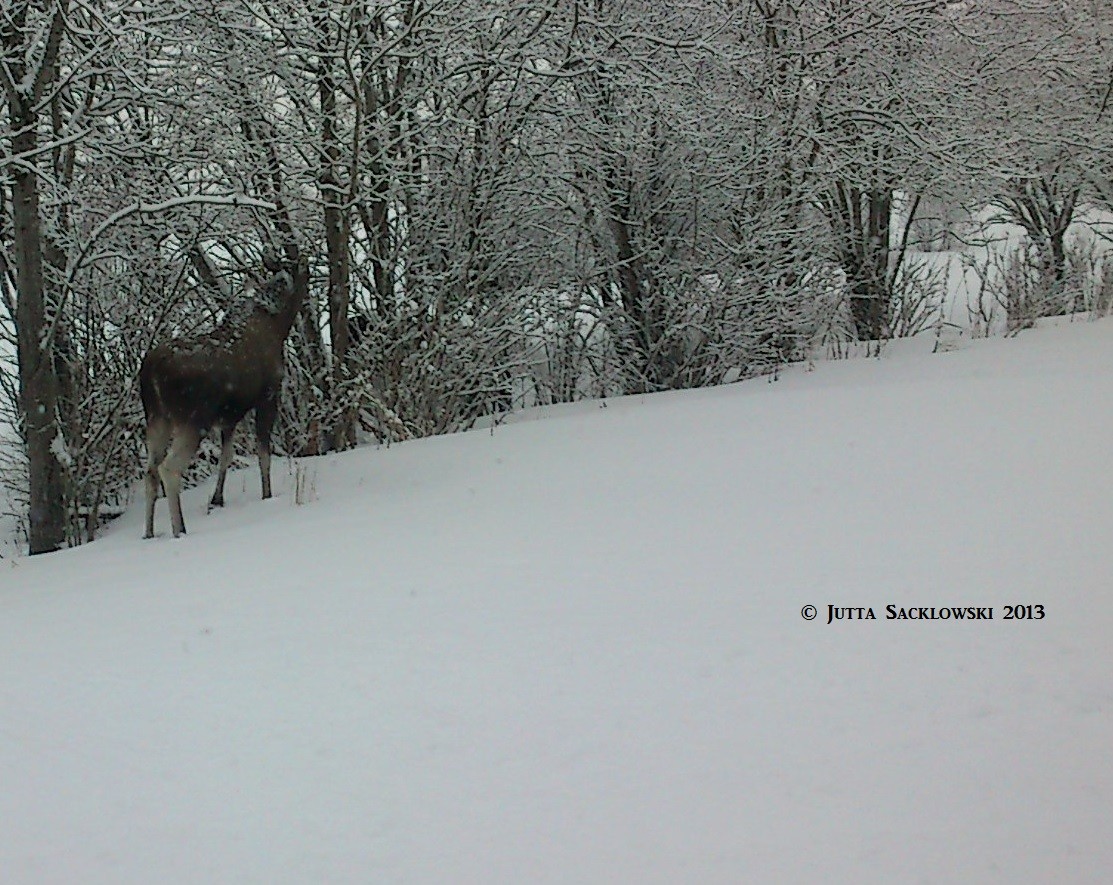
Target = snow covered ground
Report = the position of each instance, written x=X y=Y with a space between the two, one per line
x=572 y=650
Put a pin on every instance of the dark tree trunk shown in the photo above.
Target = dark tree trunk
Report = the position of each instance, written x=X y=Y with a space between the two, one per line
x=38 y=381
x=342 y=433
x=381 y=97
x=1058 y=257
x=861 y=219
x=867 y=312
x=1045 y=209
x=635 y=302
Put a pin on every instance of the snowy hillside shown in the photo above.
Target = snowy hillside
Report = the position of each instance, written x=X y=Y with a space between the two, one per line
x=572 y=650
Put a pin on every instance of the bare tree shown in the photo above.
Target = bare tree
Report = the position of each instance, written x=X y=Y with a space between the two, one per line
x=1042 y=112
x=504 y=202
x=29 y=72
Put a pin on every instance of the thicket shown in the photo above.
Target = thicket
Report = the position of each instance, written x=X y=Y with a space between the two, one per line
x=506 y=203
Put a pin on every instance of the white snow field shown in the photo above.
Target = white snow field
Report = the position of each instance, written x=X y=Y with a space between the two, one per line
x=572 y=650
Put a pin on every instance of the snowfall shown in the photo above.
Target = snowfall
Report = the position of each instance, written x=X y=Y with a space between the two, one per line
x=572 y=649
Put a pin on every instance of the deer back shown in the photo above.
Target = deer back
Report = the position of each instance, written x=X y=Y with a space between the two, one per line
x=219 y=377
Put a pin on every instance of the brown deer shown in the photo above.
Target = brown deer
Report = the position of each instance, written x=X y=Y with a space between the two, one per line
x=190 y=385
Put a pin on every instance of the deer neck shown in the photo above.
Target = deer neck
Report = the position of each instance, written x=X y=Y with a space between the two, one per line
x=291 y=305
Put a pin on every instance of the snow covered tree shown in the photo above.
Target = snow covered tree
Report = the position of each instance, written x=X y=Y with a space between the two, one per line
x=1042 y=114
x=504 y=202
x=32 y=38
x=872 y=74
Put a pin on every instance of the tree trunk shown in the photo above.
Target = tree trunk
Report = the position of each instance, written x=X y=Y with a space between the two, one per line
x=861 y=220
x=379 y=94
x=1045 y=209
x=866 y=310
x=38 y=382
x=38 y=379
x=342 y=432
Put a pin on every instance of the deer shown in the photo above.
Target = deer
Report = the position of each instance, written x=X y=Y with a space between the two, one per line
x=192 y=385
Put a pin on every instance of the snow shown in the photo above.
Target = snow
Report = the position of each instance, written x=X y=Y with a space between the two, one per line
x=966 y=285
x=60 y=451
x=572 y=650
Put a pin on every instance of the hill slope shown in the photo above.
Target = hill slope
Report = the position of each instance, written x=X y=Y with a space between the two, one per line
x=572 y=650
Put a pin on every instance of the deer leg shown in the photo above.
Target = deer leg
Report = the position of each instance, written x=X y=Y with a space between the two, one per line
x=264 y=420
x=158 y=441
x=182 y=450
x=227 y=449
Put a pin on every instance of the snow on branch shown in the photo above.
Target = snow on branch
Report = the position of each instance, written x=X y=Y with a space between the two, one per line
x=143 y=208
